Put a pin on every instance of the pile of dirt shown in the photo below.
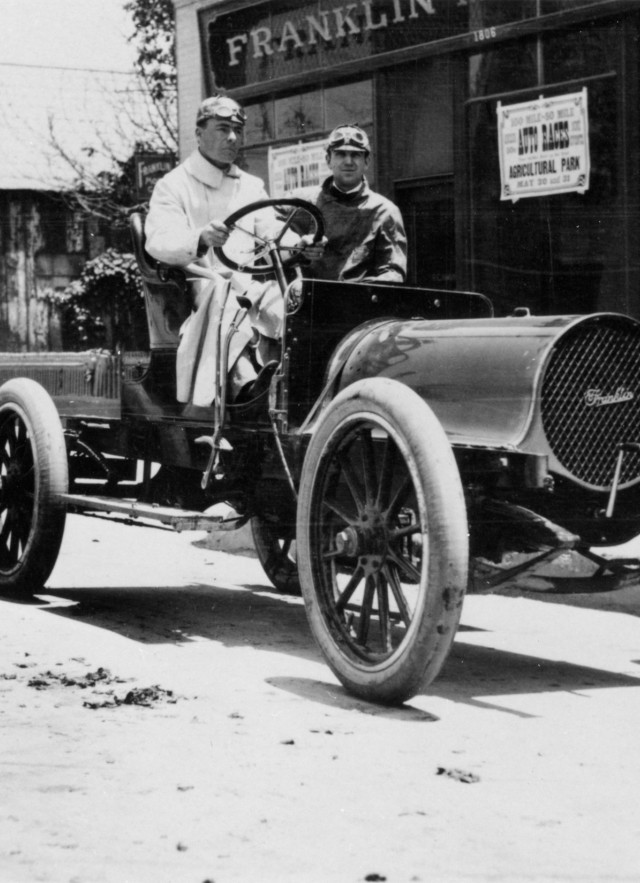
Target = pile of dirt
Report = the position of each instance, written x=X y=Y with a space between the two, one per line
x=102 y=677
x=144 y=696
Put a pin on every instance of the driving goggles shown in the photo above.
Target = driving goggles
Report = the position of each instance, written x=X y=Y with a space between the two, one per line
x=349 y=136
x=221 y=108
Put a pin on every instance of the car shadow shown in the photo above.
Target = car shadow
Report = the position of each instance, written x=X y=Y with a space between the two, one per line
x=335 y=696
x=256 y=616
x=232 y=616
x=472 y=672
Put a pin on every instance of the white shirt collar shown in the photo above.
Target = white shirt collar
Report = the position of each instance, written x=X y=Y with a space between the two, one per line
x=206 y=172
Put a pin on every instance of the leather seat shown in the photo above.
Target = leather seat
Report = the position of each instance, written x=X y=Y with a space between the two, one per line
x=166 y=291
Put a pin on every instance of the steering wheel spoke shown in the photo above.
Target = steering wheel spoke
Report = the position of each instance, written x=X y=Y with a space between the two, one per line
x=275 y=219
x=248 y=233
x=285 y=227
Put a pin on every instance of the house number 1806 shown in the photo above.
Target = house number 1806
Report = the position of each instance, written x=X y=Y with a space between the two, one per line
x=483 y=34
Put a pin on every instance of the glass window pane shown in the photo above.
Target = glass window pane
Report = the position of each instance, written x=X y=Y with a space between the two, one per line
x=256 y=161
x=260 y=126
x=569 y=54
x=562 y=253
x=351 y=103
x=507 y=69
x=421 y=131
x=299 y=115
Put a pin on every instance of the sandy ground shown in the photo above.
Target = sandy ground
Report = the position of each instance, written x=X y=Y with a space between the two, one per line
x=165 y=717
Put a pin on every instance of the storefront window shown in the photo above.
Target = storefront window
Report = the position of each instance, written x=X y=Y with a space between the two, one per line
x=256 y=161
x=560 y=252
x=304 y=116
x=299 y=115
x=583 y=49
x=419 y=132
x=512 y=67
x=307 y=113
x=260 y=122
x=351 y=103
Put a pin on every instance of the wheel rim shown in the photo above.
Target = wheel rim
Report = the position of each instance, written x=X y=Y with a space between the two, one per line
x=369 y=524
x=18 y=484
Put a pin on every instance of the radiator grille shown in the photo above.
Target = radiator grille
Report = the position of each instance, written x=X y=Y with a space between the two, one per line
x=591 y=399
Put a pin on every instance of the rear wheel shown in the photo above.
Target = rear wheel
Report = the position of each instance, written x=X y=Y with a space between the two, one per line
x=33 y=476
x=382 y=540
x=275 y=548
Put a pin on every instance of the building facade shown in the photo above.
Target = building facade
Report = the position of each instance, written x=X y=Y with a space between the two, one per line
x=61 y=130
x=42 y=249
x=506 y=130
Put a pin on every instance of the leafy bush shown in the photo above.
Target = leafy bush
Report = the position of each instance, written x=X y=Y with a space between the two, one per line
x=104 y=308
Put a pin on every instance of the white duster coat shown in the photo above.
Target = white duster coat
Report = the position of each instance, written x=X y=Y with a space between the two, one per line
x=182 y=203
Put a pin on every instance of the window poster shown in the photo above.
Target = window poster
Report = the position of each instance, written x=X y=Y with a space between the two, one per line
x=296 y=166
x=544 y=146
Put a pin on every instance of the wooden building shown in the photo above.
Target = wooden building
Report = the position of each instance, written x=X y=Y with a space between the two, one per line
x=58 y=126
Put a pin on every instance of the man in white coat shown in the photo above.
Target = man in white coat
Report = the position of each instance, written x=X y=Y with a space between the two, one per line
x=185 y=222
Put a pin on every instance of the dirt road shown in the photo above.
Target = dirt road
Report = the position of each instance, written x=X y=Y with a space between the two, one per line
x=165 y=717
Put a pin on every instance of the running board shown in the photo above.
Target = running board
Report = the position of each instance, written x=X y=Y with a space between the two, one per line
x=178 y=519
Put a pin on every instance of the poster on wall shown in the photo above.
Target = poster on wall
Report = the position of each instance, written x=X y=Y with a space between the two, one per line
x=544 y=146
x=296 y=166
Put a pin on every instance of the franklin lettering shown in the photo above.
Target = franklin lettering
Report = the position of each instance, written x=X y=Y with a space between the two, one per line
x=596 y=398
x=337 y=23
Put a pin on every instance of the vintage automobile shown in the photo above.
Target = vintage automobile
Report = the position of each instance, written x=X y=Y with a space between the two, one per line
x=410 y=446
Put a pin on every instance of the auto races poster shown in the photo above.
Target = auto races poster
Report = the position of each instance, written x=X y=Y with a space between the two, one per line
x=296 y=166
x=544 y=146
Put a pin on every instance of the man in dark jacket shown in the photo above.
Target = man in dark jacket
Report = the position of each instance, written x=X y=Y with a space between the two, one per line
x=366 y=241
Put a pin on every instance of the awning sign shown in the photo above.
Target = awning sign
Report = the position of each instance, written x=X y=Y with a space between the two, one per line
x=296 y=166
x=544 y=146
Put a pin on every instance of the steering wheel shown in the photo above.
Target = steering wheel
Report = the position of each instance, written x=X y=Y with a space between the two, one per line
x=262 y=254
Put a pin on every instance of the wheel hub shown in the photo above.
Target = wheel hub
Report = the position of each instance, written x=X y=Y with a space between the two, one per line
x=366 y=539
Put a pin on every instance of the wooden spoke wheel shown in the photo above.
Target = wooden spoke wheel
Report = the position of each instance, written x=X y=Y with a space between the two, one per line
x=33 y=475
x=382 y=540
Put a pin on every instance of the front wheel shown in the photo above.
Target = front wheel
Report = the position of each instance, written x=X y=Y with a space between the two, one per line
x=33 y=476
x=382 y=540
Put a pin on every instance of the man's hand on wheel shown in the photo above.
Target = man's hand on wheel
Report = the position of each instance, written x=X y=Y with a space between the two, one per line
x=214 y=235
x=311 y=251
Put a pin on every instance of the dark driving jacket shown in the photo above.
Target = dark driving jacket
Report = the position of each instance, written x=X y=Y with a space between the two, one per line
x=365 y=233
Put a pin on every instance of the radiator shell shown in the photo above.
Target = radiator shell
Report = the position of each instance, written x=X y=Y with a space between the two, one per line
x=567 y=387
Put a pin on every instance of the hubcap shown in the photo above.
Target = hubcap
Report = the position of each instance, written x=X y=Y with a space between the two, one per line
x=366 y=539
